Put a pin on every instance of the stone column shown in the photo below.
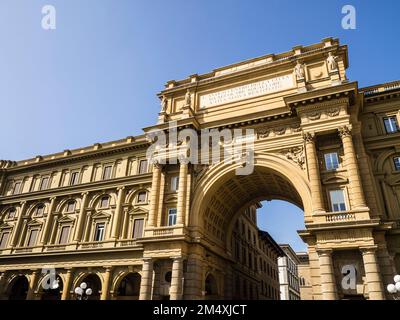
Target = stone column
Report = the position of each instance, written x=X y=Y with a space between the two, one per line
x=81 y=218
x=154 y=195
x=314 y=176
x=182 y=192
x=146 y=284
x=176 y=291
x=328 y=284
x=106 y=284
x=115 y=232
x=17 y=228
x=357 y=194
x=32 y=283
x=372 y=273
x=193 y=278
x=48 y=223
x=67 y=285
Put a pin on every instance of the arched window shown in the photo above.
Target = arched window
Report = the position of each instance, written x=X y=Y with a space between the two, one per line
x=70 y=207
x=11 y=213
x=39 y=210
x=104 y=202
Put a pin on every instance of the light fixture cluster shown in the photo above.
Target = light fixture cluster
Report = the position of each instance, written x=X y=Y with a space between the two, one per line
x=394 y=288
x=83 y=292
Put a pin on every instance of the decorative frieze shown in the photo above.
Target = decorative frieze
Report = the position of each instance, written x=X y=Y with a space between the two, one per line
x=266 y=132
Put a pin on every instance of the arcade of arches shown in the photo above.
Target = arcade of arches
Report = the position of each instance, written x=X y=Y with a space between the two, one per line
x=138 y=228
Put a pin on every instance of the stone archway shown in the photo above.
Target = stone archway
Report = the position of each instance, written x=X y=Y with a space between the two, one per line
x=94 y=282
x=128 y=288
x=221 y=196
x=18 y=288
x=54 y=291
x=211 y=287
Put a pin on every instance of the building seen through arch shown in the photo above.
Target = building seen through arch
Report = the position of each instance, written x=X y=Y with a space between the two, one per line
x=163 y=226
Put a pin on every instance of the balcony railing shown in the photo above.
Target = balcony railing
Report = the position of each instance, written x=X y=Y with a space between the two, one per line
x=341 y=216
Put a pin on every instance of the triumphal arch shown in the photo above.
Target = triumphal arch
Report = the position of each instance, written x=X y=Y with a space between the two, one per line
x=158 y=211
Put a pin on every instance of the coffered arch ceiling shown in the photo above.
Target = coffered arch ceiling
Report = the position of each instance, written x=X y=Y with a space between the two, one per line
x=238 y=192
x=218 y=202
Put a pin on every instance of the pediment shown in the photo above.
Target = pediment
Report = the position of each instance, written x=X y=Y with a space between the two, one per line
x=139 y=210
x=171 y=198
x=101 y=215
x=34 y=222
x=66 y=219
x=335 y=179
x=5 y=225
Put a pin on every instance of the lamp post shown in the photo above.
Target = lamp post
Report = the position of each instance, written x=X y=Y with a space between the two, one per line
x=83 y=292
x=394 y=288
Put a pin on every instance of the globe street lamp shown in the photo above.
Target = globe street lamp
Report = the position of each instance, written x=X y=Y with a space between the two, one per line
x=394 y=288
x=83 y=292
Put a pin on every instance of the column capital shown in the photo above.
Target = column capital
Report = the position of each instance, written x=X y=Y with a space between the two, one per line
x=183 y=159
x=324 y=252
x=147 y=260
x=177 y=258
x=53 y=198
x=121 y=188
x=368 y=249
x=345 y=131
x=309 y=137
x=108 y=268
x=86 y=193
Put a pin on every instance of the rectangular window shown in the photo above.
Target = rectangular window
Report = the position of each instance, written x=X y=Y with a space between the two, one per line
x=104 y=202
x=143 y=166
x=17 y=187
x=174 y=183
x=64 y=235
x=107 y=172
x=4 y=239
x=11 y=213
x=141 y=198
x=32 y=237
x=74 y=178
x=39 y=210
x=331 y=161
x=99 y=232
x=172 y=216
x=396 y=161
x=391 y=125
x=44 y=183
x=138 y=228
x=337 y=200
x=70 y=206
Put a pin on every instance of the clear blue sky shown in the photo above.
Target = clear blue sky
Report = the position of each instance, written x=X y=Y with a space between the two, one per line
x=95 y=77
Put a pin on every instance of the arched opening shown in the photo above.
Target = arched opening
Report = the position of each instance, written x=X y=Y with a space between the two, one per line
x=52 y=291
x=18 y=289
x=226 y=208
x=93 y=282
x=211 y=287
x=129 y=287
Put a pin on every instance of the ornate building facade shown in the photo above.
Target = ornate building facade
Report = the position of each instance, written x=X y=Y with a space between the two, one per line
x=137 y=227
x=289 y=274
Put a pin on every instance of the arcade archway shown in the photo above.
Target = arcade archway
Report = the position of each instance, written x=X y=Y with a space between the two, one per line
x=18 y=288
x=221 y=195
